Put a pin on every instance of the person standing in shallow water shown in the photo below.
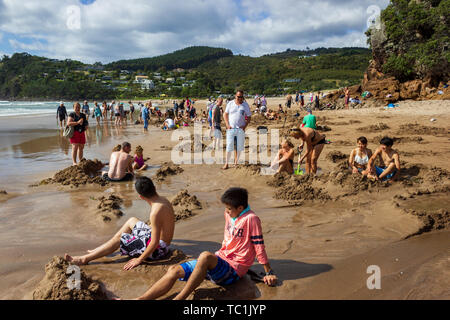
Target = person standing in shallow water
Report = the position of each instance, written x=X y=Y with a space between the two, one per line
x=80 y=123
x=61 y=113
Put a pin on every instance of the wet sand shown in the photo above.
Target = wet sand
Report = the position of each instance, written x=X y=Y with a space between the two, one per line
x=320 y=249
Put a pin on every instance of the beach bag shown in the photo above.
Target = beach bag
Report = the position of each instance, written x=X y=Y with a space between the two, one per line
x=68 y=132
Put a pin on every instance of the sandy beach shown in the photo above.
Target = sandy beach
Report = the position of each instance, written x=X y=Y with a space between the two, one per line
x=321 y=234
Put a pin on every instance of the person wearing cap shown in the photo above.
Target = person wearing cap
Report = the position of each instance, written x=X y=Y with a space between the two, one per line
x=61 y=113
x=309 y=121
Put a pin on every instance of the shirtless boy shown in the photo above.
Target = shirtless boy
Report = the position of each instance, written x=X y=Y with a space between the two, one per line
x=136 y=239
x=120 y=165
x=389 y=157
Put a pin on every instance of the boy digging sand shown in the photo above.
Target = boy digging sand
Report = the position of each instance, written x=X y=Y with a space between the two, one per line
x=243 y=241
x=135 y=238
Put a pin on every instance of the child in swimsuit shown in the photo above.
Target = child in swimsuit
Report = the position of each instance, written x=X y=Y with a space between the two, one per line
x=359 y=157
x=139 y=163
x=285 y=158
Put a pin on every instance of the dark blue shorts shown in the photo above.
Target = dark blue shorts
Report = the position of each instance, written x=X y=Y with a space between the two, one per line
x=222 y=274
x=379 y=171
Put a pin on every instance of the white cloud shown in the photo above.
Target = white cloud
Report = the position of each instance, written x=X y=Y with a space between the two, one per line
x=117 y=29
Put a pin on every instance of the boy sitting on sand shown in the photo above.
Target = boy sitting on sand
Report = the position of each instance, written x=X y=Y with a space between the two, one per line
x=136 y=239
x=243 y=241
x=389 y=157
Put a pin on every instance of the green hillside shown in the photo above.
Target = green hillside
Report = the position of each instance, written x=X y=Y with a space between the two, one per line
x=186 y=58
x=204 y=71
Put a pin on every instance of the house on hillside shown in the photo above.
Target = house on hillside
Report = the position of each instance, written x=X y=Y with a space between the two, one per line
x=170 y=80
x=147 y=84
x=140 y=78
x=296 y=80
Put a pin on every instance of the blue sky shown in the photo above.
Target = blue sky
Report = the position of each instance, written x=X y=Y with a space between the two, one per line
x=108 y=30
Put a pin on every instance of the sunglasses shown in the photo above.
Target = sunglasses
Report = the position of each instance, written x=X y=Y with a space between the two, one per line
x=240 y=97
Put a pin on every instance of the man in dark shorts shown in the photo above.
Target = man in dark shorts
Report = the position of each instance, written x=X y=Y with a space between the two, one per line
x=61 y=113
x=120 y=165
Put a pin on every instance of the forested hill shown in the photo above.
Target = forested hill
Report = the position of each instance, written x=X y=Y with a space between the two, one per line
x=187 y=58
x=194 y=71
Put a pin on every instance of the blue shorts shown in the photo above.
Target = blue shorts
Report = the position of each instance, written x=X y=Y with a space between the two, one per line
x=379 y=171
x=239 y=136
x=222 y=274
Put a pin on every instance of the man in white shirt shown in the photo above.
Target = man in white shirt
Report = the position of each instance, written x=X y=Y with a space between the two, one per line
x=237 y=117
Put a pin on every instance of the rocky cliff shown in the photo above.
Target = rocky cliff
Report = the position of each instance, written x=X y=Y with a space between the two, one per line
x=410 y=56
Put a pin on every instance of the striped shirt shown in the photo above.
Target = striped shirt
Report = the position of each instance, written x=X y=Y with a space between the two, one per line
x=243 y=242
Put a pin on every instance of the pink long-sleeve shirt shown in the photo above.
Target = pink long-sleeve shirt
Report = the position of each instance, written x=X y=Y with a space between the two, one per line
x=243 y=243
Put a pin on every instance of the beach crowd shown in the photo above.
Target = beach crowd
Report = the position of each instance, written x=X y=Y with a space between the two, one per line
x=243 y=236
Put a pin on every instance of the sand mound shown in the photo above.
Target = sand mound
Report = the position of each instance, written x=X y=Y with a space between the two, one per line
x=436 y=174
x=343 y=143
x=374 y=127
x=299 y=188
x=415 y=139
x=414 y=128
x=184 y=199
x=184 y=204
x=167 y=169
x=109 y=207
x=323 y=128
x=335 y=156
x=87 y=171
x=251 y=168
x=3 y=192
x=434 y=220
x=54 y=286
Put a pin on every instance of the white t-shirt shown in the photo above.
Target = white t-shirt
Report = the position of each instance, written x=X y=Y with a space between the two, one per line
x=170 y=122
x=237 y=113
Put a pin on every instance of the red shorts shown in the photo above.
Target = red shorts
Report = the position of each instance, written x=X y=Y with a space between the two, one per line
x=78 y=138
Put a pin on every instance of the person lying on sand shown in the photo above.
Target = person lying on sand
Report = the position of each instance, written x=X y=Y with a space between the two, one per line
x=135 y=238
x=359 y=157
x=120 y=165
x=139 y=163
x=389 y=157
x=285 y=158
x=243 y=241
x=314 y=145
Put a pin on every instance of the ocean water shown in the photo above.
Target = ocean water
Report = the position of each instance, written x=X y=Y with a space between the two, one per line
x=18 y=108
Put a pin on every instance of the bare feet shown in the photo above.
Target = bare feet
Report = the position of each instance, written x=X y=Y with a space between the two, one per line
x=225 y=167
x=79 y=261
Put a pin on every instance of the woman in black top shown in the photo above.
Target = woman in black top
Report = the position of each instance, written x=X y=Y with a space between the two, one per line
x=80 y=123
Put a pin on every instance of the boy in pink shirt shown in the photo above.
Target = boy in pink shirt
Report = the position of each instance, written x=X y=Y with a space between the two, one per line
x=243 y=241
